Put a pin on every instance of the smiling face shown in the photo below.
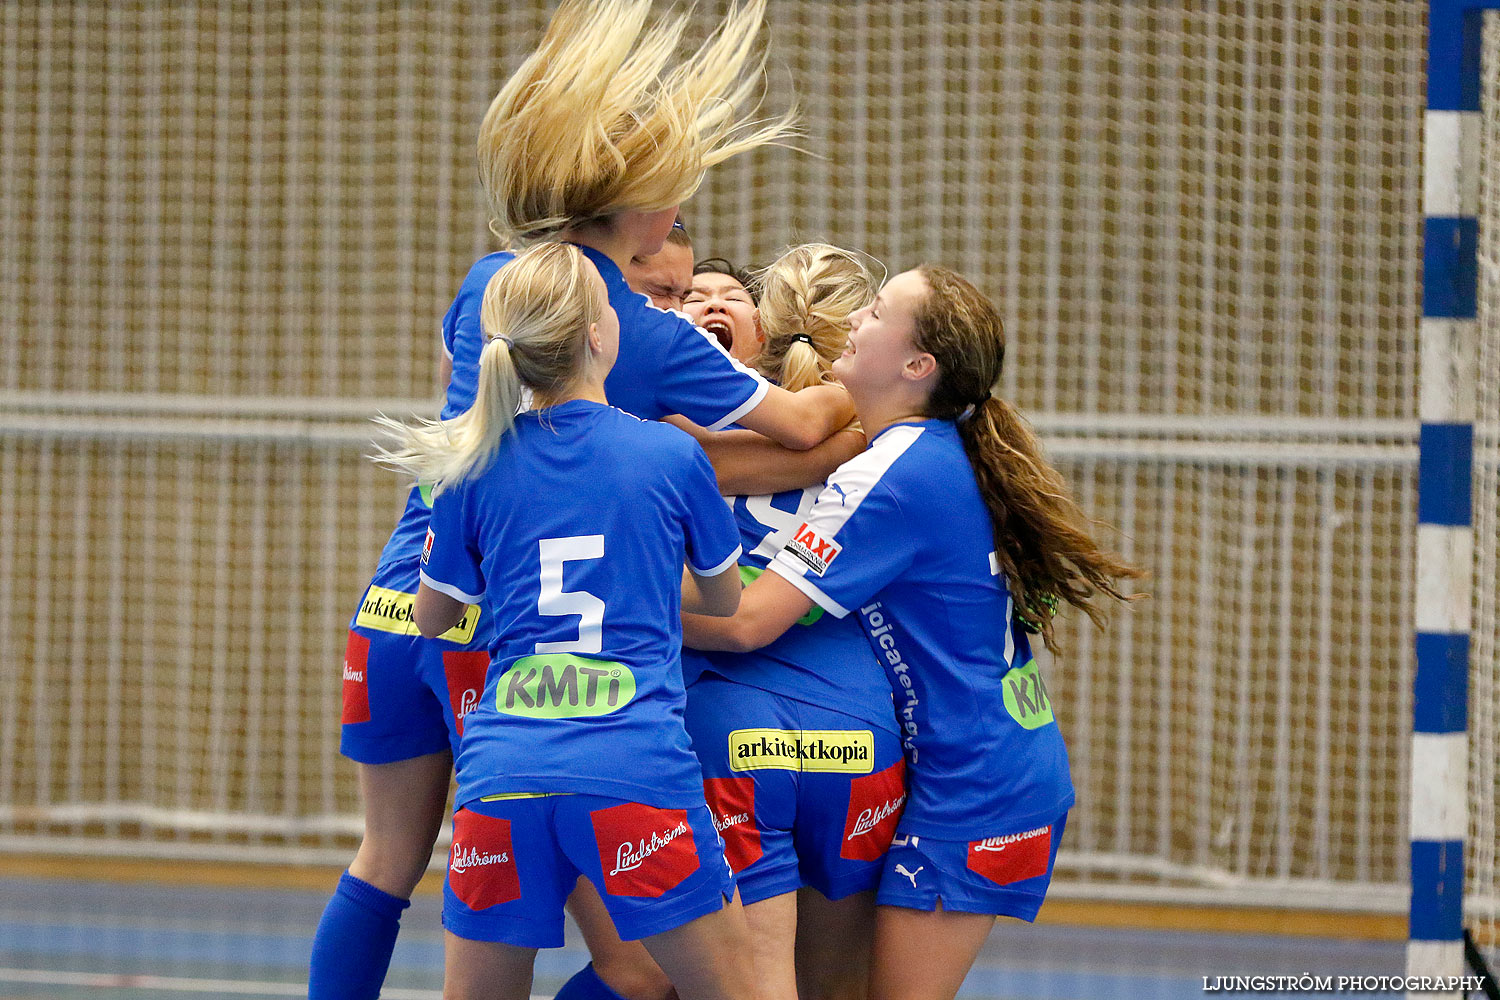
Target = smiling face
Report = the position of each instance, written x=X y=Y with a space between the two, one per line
x=881 y=352
x=720 y=304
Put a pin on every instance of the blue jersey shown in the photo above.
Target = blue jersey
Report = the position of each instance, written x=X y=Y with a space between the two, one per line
x=666 y=365
x=822 y=660
x=901 y=534
x=574 y=538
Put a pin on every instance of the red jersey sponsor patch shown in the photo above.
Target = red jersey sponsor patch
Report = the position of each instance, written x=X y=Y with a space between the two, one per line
x=482 y=862
x=732 y=803
x=875 y=802
x=356 y=680
x=465 y=672
x=813 y=549
x=427 y=547
x=644 y=851
x=1013 y=857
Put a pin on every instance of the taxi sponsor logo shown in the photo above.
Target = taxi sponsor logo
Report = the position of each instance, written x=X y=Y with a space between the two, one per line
x=427 y=547
x=464 y=671
x=481 y=863
x=564 y=686
x=391 y=611
x=644 y=851
x=813 y=549
x=731 y=802
x=1013 y=857
x=840 y=751
x=875 y=803
x=1026 y=696
x=356 y=707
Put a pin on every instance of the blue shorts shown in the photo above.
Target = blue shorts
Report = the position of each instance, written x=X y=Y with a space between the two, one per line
x=803 y=796
x=515 y=860
x=406 y=696
x=1007 y=874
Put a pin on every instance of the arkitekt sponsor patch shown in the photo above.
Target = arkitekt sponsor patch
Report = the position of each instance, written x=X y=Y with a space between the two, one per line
x=843 y=751
x=391 y=611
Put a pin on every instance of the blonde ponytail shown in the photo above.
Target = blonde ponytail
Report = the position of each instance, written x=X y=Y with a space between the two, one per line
x=599 y=120
x=536 y=311
x=1042 y=538
x=806 y=296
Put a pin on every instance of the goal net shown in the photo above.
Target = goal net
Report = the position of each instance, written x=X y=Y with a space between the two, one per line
x=235 y=228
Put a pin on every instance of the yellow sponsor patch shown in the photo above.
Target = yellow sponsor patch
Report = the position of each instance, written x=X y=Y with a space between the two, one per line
x=391 y=611
x=508 y=796
x=844 y=751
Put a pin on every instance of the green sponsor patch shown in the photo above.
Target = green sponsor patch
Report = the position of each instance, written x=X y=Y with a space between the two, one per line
x=426 y=490
x=749 y=574
x=1026 y=696
x=564 y=686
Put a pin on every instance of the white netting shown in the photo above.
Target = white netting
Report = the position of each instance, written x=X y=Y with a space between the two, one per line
x=236 y=226
x=1482 y=860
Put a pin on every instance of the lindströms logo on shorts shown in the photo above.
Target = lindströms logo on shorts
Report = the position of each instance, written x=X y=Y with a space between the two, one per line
x=1012 y=857
x=1026 y=696
x=427 y=547
x=731 y=801
x=875 y=803
x=643 y=851
x=564 y=686
x=482 y=863
x=813 y=549
x=838 y=751
x=464 y=671
x=356 y=706
x=391 y=611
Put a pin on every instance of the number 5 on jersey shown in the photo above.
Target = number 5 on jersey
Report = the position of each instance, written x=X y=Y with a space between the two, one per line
x=553 y=600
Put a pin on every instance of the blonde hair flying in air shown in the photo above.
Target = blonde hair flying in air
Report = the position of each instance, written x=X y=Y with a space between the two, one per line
x=536 y=312
x=599 y=119
x=809 y=291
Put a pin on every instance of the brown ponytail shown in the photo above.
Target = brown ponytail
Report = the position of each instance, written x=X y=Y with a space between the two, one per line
x=1042 y=538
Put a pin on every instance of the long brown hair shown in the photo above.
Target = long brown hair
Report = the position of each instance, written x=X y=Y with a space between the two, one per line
x=1042 y=537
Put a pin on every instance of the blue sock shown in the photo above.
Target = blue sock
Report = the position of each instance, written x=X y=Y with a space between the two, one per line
x=352 y=949
x=586 y=985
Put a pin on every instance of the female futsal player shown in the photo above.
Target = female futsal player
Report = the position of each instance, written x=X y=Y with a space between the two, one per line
x=595 y=140
x=812 y=288
x=579 y=557
x=801 y=753
x=949 y=534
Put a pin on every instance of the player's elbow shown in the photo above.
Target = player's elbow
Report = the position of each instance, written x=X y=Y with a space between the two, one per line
x=719 y=595
x=430 y=625
x=434 y=613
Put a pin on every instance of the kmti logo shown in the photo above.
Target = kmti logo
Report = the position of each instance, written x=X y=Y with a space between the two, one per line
x=1026 y=697
x=564 y=686
x=391 y=611
x=838 y=751
x=813 y=549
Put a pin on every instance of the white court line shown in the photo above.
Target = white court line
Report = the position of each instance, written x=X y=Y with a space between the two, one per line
x=183 y=985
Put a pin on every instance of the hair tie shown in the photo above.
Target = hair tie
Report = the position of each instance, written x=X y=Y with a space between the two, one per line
x=802 y=337
x=510 y=345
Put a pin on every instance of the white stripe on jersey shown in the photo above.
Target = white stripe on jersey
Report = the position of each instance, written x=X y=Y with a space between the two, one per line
x=734 y=557
x=449 y=589
x=755 y=397
x=846 y=490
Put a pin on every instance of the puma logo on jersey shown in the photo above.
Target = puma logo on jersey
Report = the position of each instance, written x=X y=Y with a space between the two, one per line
x=813 y=549
x=901 y=869
x=840 y=491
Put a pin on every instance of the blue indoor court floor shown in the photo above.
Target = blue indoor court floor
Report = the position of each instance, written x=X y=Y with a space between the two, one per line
x=70 y=939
